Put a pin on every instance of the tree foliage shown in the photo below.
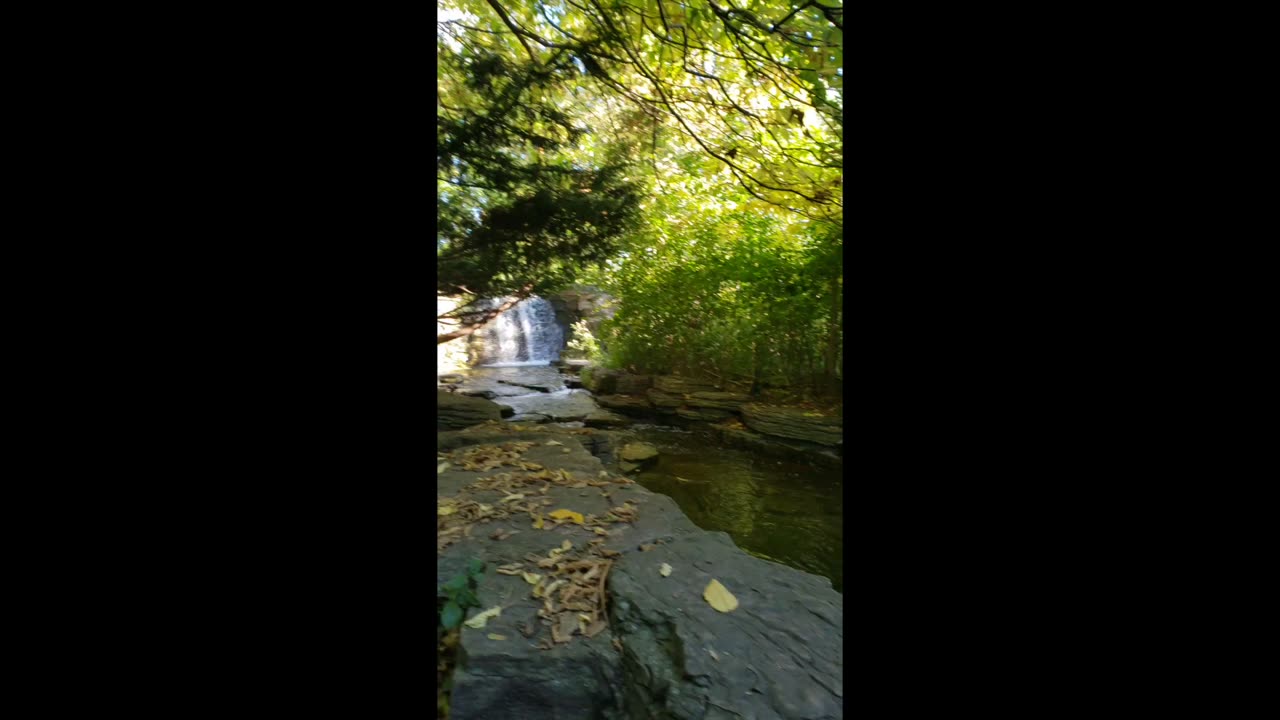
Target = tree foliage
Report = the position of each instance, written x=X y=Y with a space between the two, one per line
x=709 y=135
x=517 y=211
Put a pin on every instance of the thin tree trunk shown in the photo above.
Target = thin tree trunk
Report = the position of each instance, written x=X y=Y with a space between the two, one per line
x=832 y=353
x=488 y=317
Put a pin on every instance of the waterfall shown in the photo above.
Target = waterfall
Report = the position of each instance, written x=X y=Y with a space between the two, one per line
x=527 y=334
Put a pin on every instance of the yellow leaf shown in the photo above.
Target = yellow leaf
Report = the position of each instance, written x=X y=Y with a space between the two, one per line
x=537 y=523
x=442 y=467
x=553 y=442
x=532 y=578
x=496 y=636
x=664 y=570
x=445 y=510
x=719 y=597
x=566 y=514
x=480 y=619
x=566 y=545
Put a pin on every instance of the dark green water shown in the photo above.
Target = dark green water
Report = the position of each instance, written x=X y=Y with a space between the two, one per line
x=787 y=512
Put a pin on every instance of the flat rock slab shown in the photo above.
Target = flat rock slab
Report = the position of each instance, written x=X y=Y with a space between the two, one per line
x=735 y=435
x=677 y=385
x=625 y=403
x=559 y=406
x=708 y=414
x=604 y=418
x=490 y=390
x=638 y=452
x=778 y=655
x=660 y=399
x=455 y=411
x=628 y=384
x=530 y=418
x=794 y=423
x=719 y=400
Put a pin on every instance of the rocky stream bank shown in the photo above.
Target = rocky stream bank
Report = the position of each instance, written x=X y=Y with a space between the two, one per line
x=602 y=586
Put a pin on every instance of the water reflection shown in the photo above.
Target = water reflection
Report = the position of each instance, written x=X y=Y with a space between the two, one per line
x=786 y=512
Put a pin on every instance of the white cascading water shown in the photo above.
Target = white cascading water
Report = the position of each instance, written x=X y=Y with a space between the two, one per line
x=527 y=334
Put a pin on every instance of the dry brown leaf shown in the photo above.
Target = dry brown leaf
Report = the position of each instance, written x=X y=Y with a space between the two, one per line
x=480 y=619
x=719 y=597
x=595 y=628
x=510 y=569
x=647 y=547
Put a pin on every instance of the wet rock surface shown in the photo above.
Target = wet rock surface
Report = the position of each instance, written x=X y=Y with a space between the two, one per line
x=676 y=385
x=625 y=403
x=665 y=653
x=613 y=398
x=720 y=400
x=661 y=399
x=793 y=423
x=455 y=411
x=638 y=452
x=559 y=406
x=707 y=414
x=605 y=418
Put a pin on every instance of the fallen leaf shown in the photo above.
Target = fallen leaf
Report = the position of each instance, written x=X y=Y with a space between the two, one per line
x=719 y=597
x=562 y=513
x=565 y=451
x=554 y=442
x=509 y=498
x=714 y=656
x=647 y=547
x=664 y=570
x=511 y=569
x=442 y=467
x=566 y=545
x=532 y=578
x=445 y=510
x=594 y=628
x=537 y=523
x=496 y=636
x=600 y=531
x=480 y=619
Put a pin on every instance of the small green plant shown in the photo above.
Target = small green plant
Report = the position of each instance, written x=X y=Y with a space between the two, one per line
x=459 y=594
x=583 y=344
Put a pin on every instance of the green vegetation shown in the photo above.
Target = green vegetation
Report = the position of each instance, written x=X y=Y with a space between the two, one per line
x=458 y=594
x=683 y=156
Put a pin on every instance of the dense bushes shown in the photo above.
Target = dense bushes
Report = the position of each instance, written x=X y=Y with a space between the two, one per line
x=732 y=294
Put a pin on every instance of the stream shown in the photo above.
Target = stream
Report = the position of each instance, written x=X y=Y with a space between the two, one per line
x=787 y=512
x=784 y=511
